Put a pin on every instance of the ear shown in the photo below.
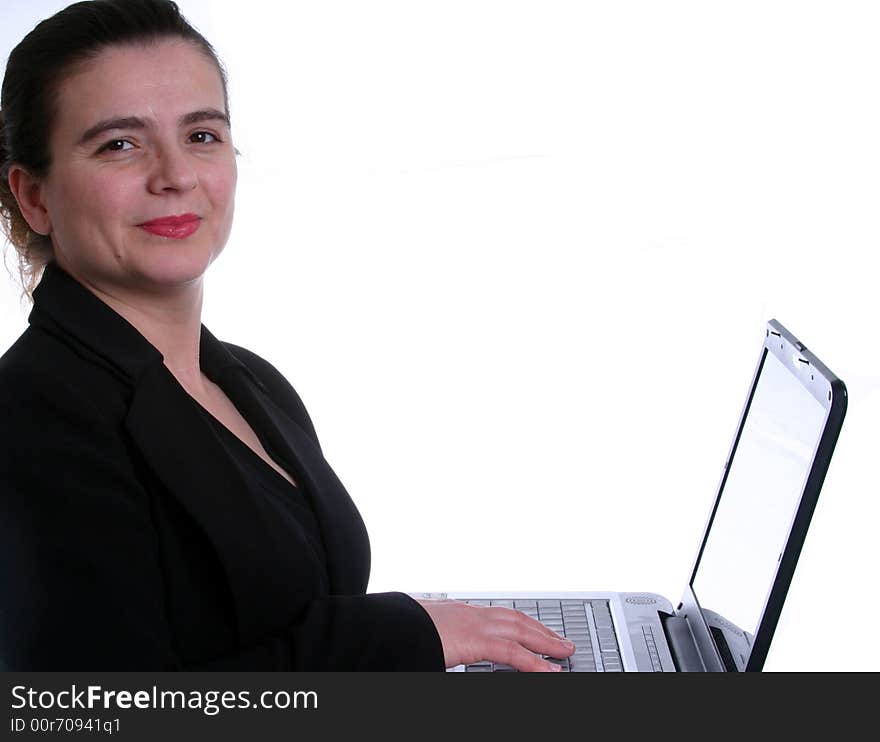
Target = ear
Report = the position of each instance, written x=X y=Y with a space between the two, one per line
x=28 y=192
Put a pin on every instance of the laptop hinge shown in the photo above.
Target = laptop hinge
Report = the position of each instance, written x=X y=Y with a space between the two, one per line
x=681 y=644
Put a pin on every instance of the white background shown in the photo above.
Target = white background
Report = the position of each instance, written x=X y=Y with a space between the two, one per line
x=517 y=258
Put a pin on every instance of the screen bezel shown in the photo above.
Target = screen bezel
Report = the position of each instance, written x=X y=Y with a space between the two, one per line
x=829 y=391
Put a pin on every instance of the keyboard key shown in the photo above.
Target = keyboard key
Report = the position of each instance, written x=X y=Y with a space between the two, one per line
x=521 y=605
x=578 y=637
x=549 y=606
x=583 y=664
x=583 y=659
x=544 y=608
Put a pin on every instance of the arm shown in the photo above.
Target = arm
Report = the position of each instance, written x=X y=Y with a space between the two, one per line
x=80 y=570
x=377 y=631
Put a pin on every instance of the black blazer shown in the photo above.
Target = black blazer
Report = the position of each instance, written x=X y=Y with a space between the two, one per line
x=128 y=537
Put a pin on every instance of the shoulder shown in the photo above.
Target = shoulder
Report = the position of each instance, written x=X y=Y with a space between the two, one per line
x=40 y=373
x=279 y=389
x=61 y=446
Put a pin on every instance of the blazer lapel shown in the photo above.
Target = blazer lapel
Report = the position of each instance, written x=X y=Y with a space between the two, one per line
x=340 y=522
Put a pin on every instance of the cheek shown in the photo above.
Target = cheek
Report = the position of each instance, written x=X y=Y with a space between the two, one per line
x=219 y=183
x=96 y=203
x=112 y=201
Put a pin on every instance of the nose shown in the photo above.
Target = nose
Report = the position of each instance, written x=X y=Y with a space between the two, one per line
x=171 y=171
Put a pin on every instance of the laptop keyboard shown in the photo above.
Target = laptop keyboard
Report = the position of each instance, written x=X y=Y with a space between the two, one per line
x=587 y=623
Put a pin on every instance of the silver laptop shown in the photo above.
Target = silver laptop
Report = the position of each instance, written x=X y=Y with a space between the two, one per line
x=756 y=528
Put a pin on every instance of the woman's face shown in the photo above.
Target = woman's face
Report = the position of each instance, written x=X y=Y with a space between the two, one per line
x=139 y=196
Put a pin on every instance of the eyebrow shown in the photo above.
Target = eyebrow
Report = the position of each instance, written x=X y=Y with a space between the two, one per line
x=133 y=122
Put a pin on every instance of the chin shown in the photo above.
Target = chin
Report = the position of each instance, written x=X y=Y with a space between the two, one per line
x=177 y=269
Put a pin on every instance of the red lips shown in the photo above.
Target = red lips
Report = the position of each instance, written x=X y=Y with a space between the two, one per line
x=175 y=227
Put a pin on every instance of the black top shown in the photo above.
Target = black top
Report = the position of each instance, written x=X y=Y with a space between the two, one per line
x=286 y=508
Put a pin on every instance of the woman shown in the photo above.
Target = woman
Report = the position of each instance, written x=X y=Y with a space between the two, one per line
x=165 y=502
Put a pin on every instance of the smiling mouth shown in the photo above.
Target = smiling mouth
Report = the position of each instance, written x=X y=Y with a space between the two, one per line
x=175 y=227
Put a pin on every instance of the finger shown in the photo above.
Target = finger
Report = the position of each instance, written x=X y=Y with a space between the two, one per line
x=519 y=616
x=519 y=628
x=520 y=658
x=537 y=637
x=542 y=642
x=545 y=629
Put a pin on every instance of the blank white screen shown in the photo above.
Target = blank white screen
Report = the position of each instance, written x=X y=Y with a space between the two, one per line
x=760 y=498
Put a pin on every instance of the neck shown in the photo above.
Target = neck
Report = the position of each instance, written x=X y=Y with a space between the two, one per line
x=171 y=322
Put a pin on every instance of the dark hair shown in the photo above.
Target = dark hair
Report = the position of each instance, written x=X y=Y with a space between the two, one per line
x=34 y=73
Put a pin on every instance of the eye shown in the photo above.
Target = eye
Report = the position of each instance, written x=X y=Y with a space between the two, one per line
x=203 y=137
x=117 y=145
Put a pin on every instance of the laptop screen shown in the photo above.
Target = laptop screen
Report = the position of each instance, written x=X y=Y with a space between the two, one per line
x=757 y=505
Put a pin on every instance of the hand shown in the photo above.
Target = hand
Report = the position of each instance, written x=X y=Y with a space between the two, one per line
x=471 y=633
